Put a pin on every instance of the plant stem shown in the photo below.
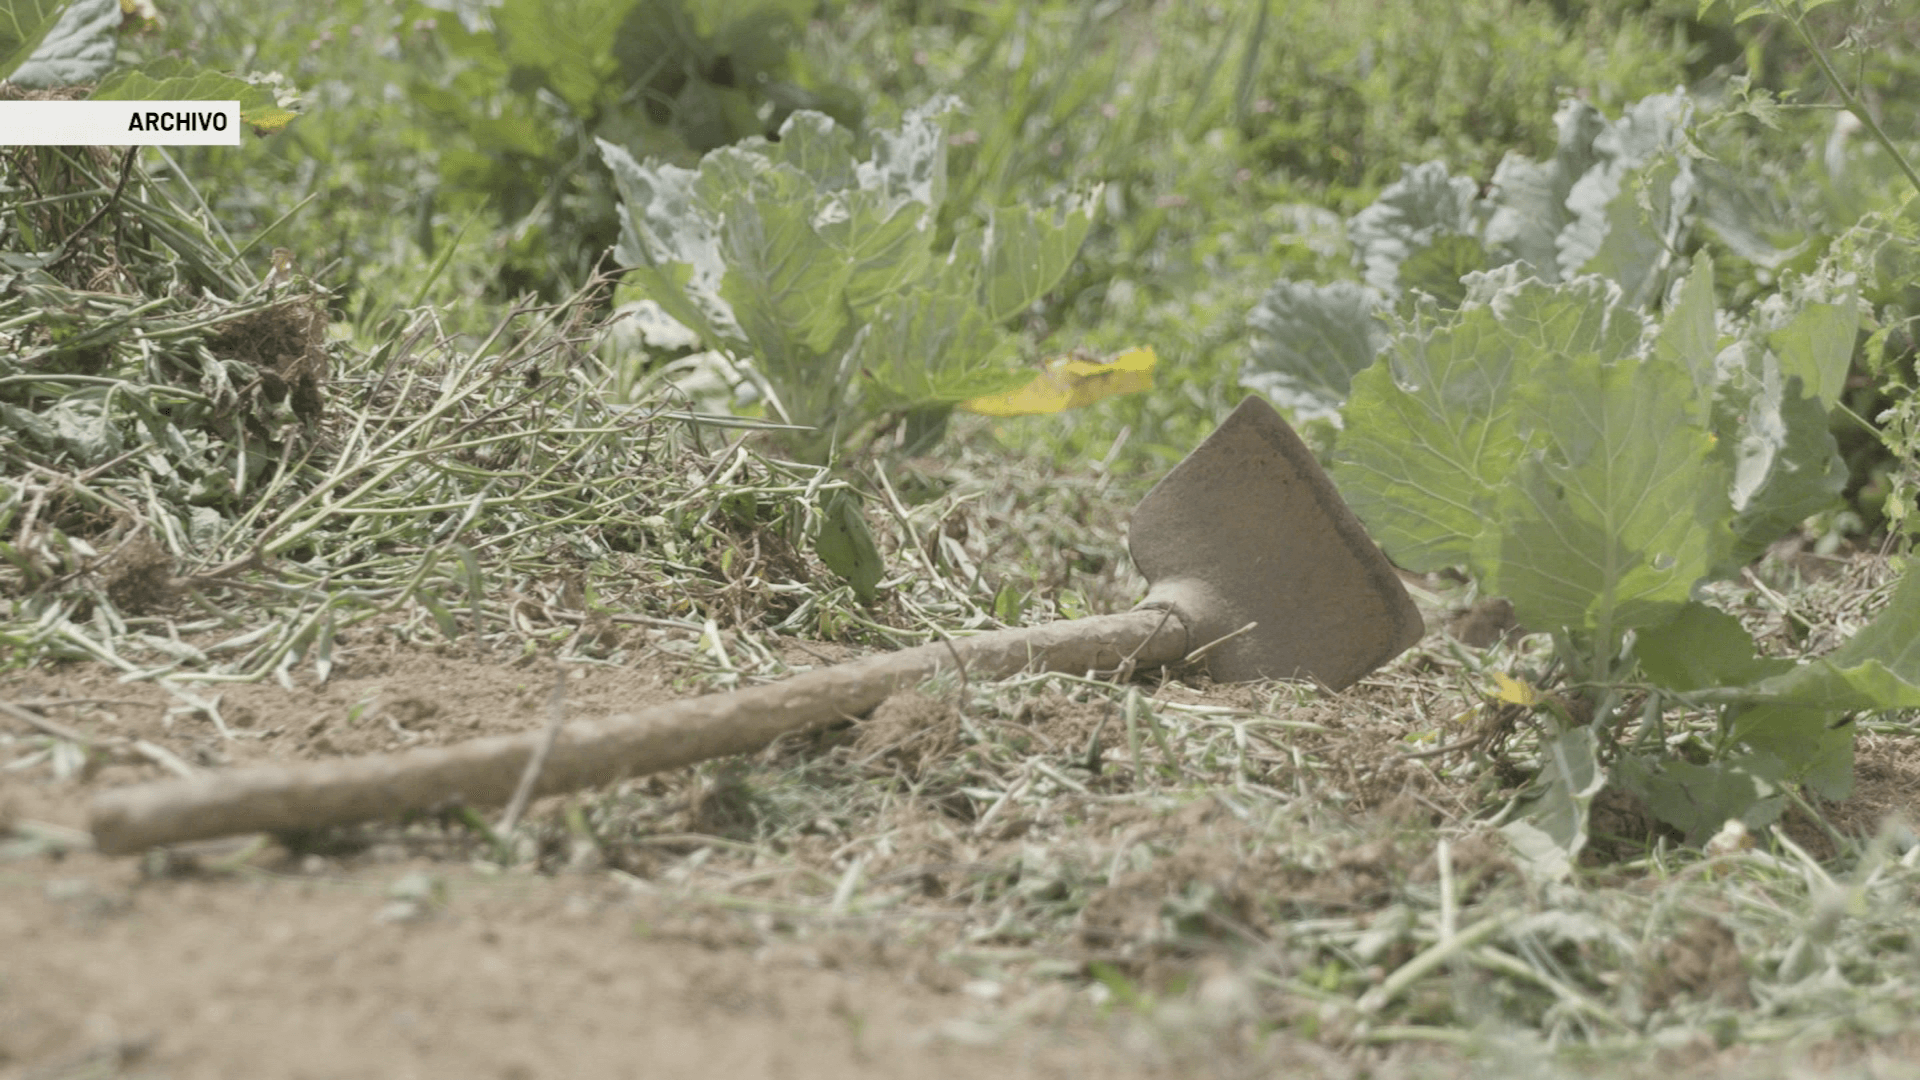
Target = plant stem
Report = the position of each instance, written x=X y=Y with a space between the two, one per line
x=1853 y=103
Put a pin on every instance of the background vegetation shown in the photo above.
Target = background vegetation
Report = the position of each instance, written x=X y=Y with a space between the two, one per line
x=361 y=370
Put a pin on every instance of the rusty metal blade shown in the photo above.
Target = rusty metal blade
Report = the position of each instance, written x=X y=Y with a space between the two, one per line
x=1249 y=529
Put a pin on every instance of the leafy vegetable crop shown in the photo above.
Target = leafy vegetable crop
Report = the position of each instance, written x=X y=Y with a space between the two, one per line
x=1618 y=199
x=1595 y=467
x=1508 y=402
x=46 y=43
x=819 y=271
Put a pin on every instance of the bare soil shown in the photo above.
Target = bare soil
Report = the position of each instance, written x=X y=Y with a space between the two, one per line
x=403 y=951
x=404 y=958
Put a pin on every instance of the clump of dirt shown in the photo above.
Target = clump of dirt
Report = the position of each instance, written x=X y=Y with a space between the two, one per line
x=139 y=577
x=1487 y=622
x=286 y=345
x=1066 y=723
x=1703 y=961
x=910 y=730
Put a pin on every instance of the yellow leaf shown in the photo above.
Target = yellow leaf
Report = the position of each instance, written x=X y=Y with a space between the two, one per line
x=1514 y=691
x=1069 y=382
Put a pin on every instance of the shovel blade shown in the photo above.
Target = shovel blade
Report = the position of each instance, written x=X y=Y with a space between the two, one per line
x=1249 y=529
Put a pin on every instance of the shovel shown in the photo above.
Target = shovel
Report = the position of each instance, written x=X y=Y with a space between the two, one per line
x=1253 y=561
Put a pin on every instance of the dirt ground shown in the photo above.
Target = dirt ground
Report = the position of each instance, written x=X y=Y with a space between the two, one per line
x=244 y=959
x=407 y=955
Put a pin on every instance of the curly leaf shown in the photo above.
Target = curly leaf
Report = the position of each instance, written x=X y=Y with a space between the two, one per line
x=1426 y=203
x=1308 y=341
x=1529 y=198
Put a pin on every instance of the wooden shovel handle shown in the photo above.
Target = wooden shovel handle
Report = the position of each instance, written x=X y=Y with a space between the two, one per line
x=278 y=798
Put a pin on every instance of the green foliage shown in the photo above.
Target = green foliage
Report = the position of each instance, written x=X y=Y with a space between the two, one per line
x=519 y=91
x=1595 y=467
x=1618 y=199
x=66 y=43
x=846 y=545
x=817 y=269
x=173 y=80
x=56 y=42
x=1536 y=436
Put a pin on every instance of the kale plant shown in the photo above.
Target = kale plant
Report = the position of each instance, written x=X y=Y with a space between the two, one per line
x=818 y=270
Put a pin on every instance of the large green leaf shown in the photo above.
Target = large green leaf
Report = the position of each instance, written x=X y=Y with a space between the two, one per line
x=1530 y=198
x=565 y=45
x=1617 y=515
x=24 y=24
x=1816 y=345
x=1702 y=648
x=1434 y=433
x=935 y=347
x=46 y=43
x=1607 y=195
x=1026 y=251
x=1787 y=468
x=1430 y=437
x=1688 y=337
x=1640 y=228
x=1699 y=799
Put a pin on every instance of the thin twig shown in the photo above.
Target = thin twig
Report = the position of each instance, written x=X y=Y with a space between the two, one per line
x=556 y=716
x=68 y=250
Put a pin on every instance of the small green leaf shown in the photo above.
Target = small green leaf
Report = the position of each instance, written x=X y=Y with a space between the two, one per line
x=323 y=648
x=847 y=547
x=442 y=617
x=1008 y=605
x=1554 y=831
x=1702 y=647
x=1699 y=799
